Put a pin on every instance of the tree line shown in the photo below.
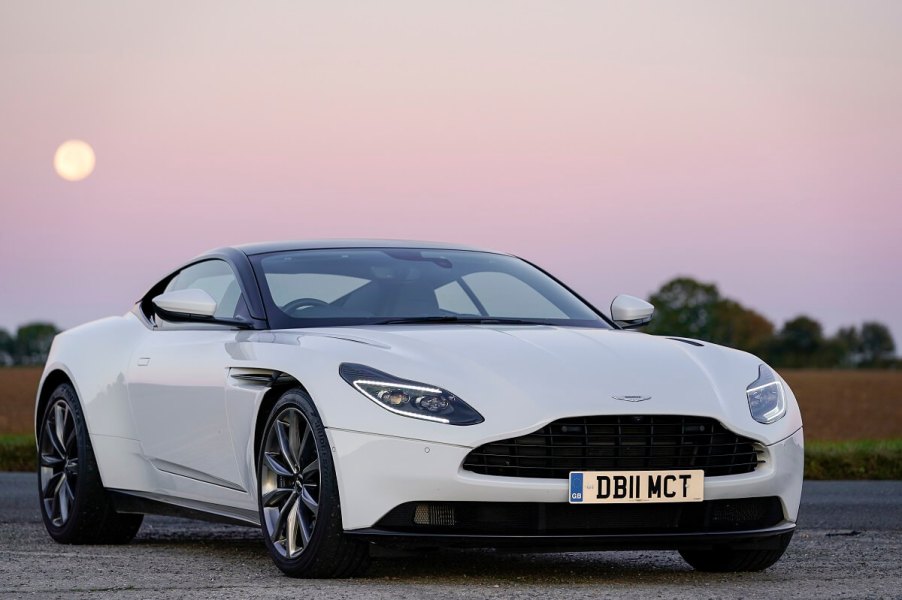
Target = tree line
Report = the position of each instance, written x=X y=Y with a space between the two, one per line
x=685 y=307
x=30 y=345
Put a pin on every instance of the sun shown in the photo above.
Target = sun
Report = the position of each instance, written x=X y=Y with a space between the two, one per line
x=74 y=160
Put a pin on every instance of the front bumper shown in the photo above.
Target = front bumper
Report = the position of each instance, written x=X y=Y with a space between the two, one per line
x=378 y=473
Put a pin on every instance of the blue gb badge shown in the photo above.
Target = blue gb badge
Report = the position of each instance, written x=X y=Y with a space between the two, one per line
x=576 y=487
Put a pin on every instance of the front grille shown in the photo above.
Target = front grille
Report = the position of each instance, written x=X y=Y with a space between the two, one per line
x=536 y=518
x=618 y=443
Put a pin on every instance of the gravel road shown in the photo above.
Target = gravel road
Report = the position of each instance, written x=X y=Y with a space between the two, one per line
x=849 y=545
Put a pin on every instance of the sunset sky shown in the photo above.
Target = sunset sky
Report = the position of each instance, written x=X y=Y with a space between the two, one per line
x=757 y=145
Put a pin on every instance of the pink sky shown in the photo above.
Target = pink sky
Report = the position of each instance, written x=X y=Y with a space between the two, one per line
x=757 y=145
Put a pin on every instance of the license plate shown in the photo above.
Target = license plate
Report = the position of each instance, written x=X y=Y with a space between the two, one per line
x=621 y=487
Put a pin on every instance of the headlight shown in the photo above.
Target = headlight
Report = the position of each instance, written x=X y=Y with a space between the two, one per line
x=409 y=398
x=767 y=400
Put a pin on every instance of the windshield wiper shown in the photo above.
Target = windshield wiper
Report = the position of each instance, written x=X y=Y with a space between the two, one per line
x=456 y=319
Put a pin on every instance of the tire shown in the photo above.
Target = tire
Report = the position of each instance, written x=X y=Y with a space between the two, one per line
x=75 y=507
x=726 y=559
x=297 y=495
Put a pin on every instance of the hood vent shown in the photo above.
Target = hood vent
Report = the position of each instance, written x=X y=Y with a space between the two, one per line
x=685 y=341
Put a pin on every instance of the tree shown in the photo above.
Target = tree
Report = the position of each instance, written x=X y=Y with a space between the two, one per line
x=848 y=341
x=801 y=343
x=877 y=345
x=684 y=307
x=33 y=343
x=7 y=347
x=739 y=327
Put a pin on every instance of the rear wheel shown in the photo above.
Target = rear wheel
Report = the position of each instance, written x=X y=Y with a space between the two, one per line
x=726 y=559
x=74 y=506
x=298 y=495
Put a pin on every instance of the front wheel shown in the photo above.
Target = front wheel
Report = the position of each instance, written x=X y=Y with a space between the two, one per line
x=726 y=559
x=298 y=495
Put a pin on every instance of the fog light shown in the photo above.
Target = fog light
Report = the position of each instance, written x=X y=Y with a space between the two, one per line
x=421 y=515
x=440 y=515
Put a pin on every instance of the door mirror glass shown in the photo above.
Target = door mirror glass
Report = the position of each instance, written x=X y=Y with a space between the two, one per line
x=629 y=311
x=187 y=303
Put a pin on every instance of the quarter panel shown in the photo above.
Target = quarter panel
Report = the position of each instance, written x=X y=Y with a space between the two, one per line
x=95 y=357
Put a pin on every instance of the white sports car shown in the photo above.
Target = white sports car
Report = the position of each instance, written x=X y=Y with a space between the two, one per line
x=342 y=394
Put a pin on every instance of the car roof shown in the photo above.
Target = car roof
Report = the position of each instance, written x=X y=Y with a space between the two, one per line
x=326 y=244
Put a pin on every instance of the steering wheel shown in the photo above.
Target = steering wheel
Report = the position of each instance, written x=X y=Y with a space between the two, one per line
x=302 y=303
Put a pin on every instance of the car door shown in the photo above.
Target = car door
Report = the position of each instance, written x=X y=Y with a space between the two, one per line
x=176 y=385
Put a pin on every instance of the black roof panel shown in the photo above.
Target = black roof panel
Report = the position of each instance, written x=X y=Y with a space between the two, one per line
x=264 y=247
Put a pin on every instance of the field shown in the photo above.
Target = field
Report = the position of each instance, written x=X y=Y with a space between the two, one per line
x=836 y=405
x=18 y=386
x=848 y=405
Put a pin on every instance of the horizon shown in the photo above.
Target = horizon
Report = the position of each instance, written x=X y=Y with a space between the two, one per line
x=617 y=146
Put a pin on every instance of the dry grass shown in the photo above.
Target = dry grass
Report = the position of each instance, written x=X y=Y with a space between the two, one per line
x=18 y=387
x=848 y=405
x=836 y=405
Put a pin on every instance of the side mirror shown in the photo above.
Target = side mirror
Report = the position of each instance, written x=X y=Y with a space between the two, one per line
x=629 y=312
x=186 y=303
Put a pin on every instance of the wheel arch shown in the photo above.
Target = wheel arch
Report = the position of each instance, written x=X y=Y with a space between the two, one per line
x=54 y=378
x=283 y=383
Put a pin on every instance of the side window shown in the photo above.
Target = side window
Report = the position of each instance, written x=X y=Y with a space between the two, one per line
x=217 y=279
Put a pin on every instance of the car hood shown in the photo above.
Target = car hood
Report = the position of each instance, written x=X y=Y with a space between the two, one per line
x=522 y=377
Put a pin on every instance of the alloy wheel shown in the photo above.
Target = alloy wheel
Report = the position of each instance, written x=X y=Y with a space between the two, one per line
x=58 y=463
x=290 y=482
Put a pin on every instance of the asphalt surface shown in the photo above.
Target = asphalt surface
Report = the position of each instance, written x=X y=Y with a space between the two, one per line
x=849 y=545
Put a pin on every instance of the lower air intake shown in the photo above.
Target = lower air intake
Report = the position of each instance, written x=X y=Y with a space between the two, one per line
x=532 y=518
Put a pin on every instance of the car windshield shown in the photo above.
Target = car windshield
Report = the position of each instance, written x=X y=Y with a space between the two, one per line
x=366 y=286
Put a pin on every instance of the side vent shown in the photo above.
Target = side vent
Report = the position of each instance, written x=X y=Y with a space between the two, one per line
x=258 y=377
